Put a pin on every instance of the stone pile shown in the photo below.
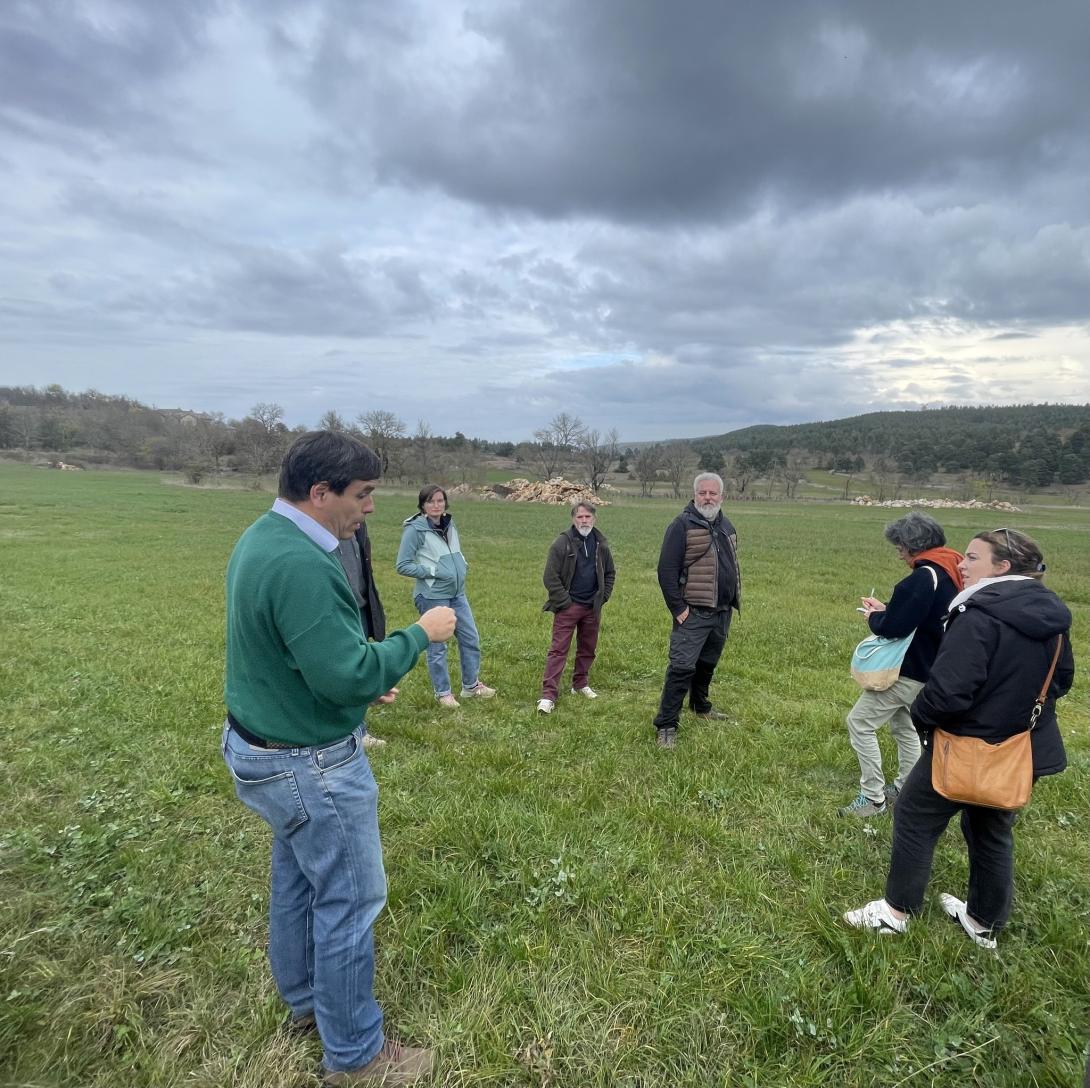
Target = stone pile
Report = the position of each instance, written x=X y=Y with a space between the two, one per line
x=556 y=492
x=938 y=504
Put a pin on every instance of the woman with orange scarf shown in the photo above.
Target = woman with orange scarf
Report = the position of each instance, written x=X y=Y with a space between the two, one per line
x=919 y=603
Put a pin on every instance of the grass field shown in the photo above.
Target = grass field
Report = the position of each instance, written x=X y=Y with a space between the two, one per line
x=569 y=906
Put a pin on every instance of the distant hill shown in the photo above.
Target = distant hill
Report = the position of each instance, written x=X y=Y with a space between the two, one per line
x=1026 y=443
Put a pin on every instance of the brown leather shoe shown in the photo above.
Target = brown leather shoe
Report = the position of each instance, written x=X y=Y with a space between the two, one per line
x=300 y=1025
x=394 y=1064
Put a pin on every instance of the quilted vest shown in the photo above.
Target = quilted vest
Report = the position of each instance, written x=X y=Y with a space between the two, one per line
x=702 y=568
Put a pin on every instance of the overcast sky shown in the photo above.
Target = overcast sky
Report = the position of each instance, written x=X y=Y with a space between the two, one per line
x=672 y=218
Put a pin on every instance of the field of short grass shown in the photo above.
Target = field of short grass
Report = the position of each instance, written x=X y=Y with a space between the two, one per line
x=569 y=906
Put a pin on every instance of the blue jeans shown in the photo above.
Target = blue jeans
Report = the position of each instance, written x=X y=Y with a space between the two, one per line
x=469 y=644
x=327 y=886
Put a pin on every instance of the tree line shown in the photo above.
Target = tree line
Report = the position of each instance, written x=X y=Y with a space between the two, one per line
x=1026 y=446
x=1023 y=446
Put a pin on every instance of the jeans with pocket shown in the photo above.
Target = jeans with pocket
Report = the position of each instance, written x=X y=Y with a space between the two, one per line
x=327 y=885
x=469 y=644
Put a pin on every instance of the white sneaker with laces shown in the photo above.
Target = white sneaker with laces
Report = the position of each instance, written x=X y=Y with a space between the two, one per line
x=587 y=691
x=958 y=912
x=545 y=706
x=876 y=915
x=371 y=741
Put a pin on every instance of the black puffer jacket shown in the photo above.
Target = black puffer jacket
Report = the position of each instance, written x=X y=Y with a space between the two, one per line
x=991 y=665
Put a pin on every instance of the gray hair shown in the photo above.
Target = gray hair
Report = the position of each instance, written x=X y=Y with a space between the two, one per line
x=915 y=533
x=588 y=506
x=708 y=476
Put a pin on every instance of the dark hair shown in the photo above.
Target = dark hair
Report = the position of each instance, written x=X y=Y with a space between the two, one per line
x=330 y=457
x=915 y=533
x=1023 y=554
x=427 y=491
x=588 y=506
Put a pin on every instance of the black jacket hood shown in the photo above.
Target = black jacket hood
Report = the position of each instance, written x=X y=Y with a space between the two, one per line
x=1026 y=605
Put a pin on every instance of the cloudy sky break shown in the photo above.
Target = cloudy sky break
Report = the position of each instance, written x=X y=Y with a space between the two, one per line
x=673 y=218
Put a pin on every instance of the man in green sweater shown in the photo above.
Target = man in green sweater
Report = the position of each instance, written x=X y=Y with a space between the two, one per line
x=300 y=676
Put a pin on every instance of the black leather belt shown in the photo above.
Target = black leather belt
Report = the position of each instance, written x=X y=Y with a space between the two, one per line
x=253 y=738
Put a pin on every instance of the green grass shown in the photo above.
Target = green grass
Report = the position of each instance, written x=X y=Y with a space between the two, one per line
x=569 y=906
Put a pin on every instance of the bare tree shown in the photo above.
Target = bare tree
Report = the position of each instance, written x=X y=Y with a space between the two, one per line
x=332 y=421
x=385 y=434
x=262 y=437
x=677 y=459
x=557 y=441
x=424 y=454
x=647 y=464
x=792 y=470
x=881 y=473
x=26 y=427
x=597 y=456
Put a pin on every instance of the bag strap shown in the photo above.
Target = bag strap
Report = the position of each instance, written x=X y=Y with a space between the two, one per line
x=1039 y=702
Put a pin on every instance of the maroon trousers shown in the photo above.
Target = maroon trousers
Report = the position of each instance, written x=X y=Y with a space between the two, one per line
x=576 y=619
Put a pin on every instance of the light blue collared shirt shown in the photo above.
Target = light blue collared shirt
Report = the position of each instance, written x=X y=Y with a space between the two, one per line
x=317 y=532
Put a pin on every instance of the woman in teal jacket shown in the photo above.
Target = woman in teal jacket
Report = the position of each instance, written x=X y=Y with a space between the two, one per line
x=430 y=553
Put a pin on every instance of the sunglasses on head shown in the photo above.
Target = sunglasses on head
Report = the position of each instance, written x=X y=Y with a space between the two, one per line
x=1006 y=536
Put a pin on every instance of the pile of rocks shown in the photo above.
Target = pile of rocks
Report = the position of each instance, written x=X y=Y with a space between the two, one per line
x=938 y=504
x=556 y=492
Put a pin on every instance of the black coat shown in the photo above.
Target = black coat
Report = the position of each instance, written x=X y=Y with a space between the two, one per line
x=372 y=609
x=991 y=665
x=672 y=571
x=919 y=604
x=560 y=569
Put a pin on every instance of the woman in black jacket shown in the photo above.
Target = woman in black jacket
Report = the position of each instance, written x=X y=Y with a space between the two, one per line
x=1000 y=638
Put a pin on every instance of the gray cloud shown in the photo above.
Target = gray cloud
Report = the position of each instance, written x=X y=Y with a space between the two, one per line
x=647 y=112
x=799 y=211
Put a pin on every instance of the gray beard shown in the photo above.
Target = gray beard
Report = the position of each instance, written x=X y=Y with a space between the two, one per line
x=708 y=512
x=584 y=530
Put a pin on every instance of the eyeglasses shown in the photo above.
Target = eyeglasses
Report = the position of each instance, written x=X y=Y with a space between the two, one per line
x=1007 y=536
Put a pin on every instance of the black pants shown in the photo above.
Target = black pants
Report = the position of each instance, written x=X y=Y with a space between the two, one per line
x=919 y=818
x=695 y=648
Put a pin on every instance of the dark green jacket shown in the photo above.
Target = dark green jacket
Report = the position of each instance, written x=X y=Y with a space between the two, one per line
x=560 y=569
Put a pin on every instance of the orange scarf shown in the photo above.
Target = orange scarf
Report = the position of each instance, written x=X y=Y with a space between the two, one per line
x=946 y=558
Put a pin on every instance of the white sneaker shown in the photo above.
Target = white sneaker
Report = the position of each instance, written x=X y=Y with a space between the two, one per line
x=545 y=706
x=370 y=741
x=448 y=701
x=587 y=691
x=876 y=915
x=957 y=911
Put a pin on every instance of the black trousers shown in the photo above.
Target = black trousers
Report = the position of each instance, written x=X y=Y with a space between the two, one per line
x=695 y=648
x=919 y=819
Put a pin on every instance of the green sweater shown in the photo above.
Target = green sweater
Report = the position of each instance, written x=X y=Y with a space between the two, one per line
x=299 y=668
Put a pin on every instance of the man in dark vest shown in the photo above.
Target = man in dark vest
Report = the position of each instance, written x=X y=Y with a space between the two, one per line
x=701 y=582
x=355 y=556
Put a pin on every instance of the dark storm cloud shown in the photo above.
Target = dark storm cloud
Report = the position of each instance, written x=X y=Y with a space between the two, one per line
x=688 y=111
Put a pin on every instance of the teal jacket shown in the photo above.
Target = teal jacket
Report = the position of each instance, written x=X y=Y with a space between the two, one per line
x=433 y=557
